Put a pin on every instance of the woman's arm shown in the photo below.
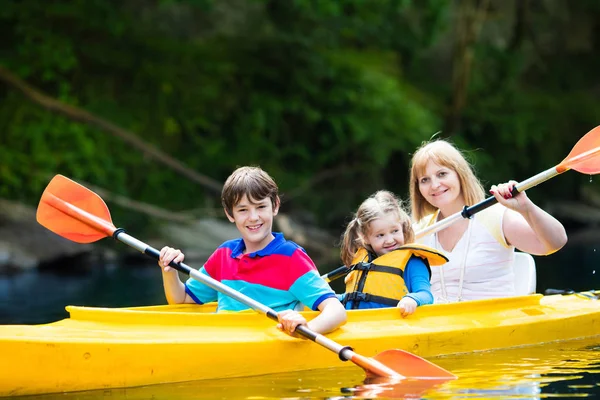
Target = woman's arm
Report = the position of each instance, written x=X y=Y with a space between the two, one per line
x=526 y=226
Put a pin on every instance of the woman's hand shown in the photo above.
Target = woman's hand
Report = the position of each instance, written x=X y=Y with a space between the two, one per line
x=289 y=320
x=168 y=254
x=407 y=306
x=503 y=193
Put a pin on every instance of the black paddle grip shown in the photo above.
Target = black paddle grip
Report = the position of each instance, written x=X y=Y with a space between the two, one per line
x=272 y=315
x=468 y=212
x=181 y=267
x=307 y=333
x=337 y=273
x=300 y=329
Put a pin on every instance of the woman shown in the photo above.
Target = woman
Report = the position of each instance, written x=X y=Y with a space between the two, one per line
x=480 y=249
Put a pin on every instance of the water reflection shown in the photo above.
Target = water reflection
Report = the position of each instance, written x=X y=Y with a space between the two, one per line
x=399 y=389
x=562 y=369
x=566 y=369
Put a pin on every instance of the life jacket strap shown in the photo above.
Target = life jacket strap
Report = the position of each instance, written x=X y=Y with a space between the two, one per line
x=357 y=297
x=378 y=268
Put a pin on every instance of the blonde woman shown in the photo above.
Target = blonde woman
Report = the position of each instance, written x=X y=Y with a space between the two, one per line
x=480 y=249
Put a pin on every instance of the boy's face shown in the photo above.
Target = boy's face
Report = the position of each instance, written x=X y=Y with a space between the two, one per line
x=254 y=220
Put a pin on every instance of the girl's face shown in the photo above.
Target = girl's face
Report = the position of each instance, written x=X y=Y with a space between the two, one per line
x=385 y=234
x=440 y=186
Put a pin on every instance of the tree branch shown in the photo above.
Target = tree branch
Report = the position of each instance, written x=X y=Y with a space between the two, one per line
x=80 y=115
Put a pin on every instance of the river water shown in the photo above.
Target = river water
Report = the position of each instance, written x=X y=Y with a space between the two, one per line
x=566 y=369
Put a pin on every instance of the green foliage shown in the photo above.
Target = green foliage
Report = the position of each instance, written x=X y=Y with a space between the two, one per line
x=330 y=97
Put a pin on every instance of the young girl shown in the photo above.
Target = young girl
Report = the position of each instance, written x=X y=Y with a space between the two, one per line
x=385 y=272
x=480 y=249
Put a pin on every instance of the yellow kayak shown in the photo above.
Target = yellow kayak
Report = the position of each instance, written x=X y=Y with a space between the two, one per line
x=108 y=348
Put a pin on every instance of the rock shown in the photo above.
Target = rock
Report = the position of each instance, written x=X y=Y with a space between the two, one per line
x=319 y=244
x=199 y=239
x=26 y=244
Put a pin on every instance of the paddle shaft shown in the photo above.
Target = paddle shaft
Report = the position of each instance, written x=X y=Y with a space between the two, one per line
x=468 y=212
x=344 y=352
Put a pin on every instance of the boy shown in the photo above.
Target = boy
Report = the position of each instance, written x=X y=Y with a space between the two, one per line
x=261 y=264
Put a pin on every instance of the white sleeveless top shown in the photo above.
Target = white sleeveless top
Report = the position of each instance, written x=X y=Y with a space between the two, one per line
x=481 y=264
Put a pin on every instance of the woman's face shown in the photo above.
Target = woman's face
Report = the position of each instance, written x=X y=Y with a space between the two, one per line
x=440 y=186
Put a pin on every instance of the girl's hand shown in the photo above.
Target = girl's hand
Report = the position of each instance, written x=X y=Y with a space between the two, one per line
x=168 y=254
x=289 y=320
x=503 y=193
x=407 y=306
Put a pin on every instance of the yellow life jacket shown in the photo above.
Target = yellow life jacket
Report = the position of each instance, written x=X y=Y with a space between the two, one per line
x=381 y=279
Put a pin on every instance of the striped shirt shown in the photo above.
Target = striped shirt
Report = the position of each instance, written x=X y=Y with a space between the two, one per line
x=281 y=276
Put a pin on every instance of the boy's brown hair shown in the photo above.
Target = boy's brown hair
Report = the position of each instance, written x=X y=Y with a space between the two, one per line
x=253 y=182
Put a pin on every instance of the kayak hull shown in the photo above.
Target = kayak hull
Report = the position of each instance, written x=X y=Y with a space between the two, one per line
x=99 y=348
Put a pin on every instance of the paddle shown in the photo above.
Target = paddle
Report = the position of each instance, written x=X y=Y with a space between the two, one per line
x=584 y=158
x=78 y=214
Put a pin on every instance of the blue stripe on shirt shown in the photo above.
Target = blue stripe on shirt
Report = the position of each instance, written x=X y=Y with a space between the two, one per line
x=309 y=290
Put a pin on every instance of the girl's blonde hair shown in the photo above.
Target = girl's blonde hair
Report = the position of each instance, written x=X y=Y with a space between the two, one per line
x=444 y=154
x=378 y=205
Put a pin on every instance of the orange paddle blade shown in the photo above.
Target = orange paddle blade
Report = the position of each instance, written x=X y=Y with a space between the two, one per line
x=585 y=156
x=374 y=368
x=74 y=212
x=412 y=366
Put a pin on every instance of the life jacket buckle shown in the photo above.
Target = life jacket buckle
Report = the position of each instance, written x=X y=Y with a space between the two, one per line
x=363 y=266
x=359 y=296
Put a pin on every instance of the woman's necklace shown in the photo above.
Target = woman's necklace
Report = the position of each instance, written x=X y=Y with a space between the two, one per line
x=462 y=266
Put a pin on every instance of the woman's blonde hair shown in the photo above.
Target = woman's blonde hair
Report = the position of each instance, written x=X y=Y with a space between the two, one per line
x=378 y=205
x=444 y=154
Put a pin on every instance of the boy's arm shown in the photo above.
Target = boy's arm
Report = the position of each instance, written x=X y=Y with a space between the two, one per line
x=417 y=282
x=314 y=292
x=174 y=288
x=332 y=315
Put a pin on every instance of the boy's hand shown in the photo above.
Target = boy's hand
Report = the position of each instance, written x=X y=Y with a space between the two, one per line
x=407 y=306
x=289 y=320
x=168 y=254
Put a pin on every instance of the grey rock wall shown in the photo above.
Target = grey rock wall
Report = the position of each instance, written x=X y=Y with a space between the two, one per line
x=26 y=244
